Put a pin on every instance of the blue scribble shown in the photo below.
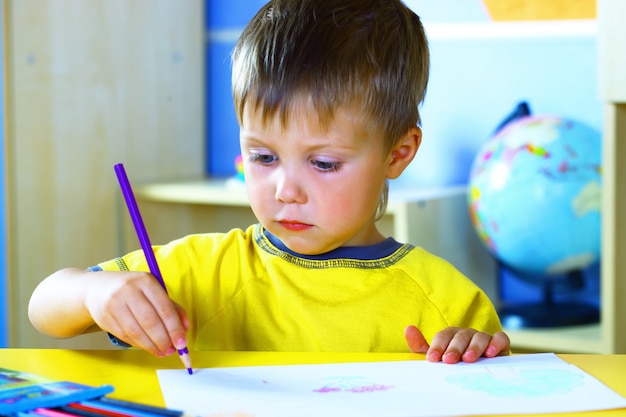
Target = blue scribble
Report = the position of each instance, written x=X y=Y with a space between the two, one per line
x=525 y=383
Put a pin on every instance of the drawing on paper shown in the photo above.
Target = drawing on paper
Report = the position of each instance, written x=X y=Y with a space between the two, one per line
x=508 y=382
x=529 y=384
x=354 y=384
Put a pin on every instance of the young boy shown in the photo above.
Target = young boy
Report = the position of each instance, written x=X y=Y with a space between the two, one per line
x=327 y=96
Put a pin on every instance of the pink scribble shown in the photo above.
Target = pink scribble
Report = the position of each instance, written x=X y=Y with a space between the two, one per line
x=371 y=388
x=366 y=388
x=328 y=389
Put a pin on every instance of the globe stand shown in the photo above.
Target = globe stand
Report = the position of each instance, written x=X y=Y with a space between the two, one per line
x=549 y=312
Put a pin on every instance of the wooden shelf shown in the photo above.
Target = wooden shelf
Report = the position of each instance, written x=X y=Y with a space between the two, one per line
x=205 y=191
x=574 y=339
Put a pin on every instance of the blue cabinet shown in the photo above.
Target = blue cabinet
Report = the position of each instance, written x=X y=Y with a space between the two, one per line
x=224 y=22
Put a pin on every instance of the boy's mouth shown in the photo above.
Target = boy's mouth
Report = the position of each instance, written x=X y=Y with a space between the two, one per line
x=294 y=225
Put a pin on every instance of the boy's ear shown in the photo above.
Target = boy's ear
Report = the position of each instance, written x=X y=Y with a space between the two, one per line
x=403 y=153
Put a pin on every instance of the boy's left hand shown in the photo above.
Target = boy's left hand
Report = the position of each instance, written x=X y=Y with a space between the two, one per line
x=454 y=344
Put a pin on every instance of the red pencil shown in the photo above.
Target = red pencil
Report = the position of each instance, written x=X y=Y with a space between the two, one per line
x=99 y=411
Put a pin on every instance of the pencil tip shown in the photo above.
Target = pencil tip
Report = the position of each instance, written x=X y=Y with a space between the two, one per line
x=184 y=357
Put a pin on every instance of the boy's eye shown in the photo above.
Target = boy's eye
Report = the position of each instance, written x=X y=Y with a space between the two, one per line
x=326 y=165
x=261 y=158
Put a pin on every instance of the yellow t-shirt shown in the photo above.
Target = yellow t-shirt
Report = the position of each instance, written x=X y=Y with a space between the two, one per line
x=241 y=292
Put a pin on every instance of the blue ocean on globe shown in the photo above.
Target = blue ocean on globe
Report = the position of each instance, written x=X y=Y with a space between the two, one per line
x=535 y=195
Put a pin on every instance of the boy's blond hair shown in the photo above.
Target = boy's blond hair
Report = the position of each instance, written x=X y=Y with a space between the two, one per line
x=367 y=55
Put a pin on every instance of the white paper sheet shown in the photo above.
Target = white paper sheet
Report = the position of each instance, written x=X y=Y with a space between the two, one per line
x=524 y=384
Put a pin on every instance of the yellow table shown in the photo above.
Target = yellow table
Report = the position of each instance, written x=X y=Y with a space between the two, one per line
x=133 y=372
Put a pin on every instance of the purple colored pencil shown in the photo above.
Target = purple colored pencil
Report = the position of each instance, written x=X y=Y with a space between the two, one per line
x=144 y=241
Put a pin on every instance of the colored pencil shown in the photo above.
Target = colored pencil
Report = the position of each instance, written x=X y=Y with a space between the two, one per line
x=149 y=410
x=102 y=411
x=52 y=413
x=144 y=241
x=42 y=412
x=79 y=412
x=125 y=410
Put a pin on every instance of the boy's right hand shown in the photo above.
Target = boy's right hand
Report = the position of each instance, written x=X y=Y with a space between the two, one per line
x=135 y=308
x=130 y=305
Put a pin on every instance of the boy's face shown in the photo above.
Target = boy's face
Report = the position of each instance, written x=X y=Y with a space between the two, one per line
x=315 y=189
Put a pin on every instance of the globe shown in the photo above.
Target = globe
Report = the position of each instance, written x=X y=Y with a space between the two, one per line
x=534 y=200
x=535 y=193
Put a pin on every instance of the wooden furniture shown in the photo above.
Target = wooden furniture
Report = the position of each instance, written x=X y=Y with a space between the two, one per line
x=612 y=86
x=88 y=85
x=610 y=335
x=133 y=372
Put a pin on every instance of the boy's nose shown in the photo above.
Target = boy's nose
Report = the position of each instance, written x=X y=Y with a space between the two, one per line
x=289 y=187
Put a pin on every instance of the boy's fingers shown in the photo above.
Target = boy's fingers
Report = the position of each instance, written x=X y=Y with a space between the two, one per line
x=478 y=345
x=499 y=345
x=125 y=327
x=178 y=333
x=453 y=344
x=182 y=315
x=415 y=339
x=168 y=329
x=450 y=344
x=147 y=330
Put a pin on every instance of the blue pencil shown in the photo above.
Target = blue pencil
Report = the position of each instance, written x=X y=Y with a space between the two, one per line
x=146 y=246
